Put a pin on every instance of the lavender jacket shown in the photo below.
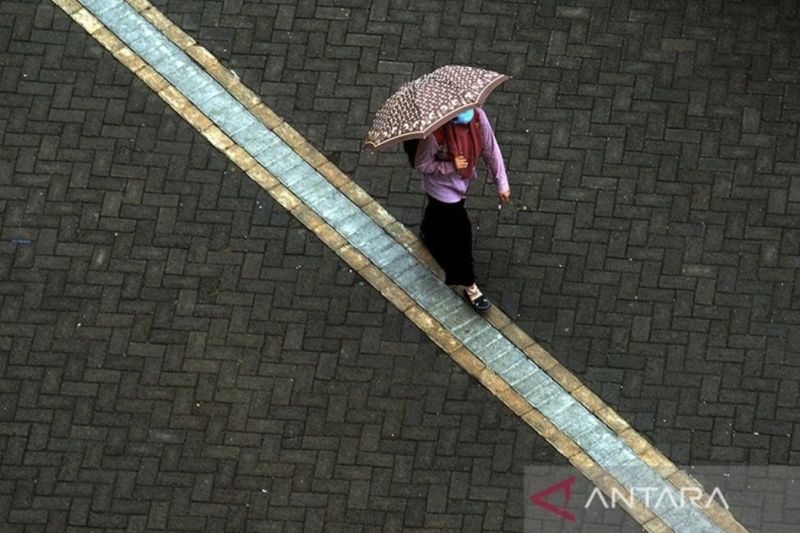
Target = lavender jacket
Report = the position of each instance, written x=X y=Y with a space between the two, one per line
x=440 y=179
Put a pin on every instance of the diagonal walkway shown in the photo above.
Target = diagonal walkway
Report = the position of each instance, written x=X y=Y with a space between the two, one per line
x=494 y=350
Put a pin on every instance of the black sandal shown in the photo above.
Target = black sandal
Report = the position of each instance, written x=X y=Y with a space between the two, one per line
x=480 y=304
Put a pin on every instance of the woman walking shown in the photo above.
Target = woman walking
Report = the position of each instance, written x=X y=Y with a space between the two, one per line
x=446 y=160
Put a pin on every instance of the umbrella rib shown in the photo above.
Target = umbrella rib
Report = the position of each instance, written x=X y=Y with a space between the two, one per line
x=491 y=87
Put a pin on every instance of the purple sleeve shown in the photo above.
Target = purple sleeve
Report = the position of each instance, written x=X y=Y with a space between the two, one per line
x=425 y=160
x=492 y=154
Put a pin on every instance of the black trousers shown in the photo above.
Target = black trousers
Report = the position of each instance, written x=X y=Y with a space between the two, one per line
x=447 y=232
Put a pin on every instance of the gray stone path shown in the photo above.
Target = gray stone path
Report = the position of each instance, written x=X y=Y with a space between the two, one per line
x=496 y=351
x=159 y=317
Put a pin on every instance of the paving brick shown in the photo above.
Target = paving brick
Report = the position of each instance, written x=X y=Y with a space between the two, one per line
x=639 y=176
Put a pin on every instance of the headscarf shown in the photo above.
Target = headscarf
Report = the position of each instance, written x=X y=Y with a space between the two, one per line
x=464 y=140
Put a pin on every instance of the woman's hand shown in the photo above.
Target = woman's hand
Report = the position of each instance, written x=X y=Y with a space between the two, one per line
x=460 y=162
x=505 y=197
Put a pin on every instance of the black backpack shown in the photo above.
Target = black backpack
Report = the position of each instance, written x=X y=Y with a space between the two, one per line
x=410 y=147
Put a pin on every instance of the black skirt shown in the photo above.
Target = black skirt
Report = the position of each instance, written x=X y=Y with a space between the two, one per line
x=447 y=232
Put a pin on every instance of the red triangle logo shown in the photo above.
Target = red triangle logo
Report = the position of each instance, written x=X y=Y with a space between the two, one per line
x=565 y=486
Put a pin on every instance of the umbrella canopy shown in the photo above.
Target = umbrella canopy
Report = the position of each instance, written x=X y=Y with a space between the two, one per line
x=423 y=105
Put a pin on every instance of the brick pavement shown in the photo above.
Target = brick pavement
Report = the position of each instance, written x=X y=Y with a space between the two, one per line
x=73 y=181
x=185 y=356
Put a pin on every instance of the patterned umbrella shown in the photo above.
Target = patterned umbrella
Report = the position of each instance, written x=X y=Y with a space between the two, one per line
x=421 y=106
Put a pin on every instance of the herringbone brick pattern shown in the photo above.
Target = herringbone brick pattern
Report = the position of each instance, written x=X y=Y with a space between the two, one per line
x=652 y=148
x=178 y=353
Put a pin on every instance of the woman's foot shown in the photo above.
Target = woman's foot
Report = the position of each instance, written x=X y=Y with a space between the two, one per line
x=475 y=297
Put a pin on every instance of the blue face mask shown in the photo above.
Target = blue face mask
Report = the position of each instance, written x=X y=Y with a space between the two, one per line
x=464 y=117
